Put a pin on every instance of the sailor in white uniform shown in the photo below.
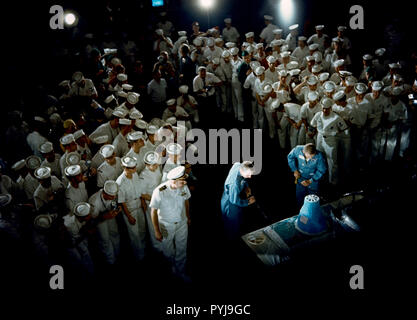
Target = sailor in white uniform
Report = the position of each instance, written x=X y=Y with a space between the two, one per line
x=111 y=168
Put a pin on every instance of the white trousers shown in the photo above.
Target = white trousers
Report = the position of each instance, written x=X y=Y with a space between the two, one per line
x=328 y=145
x=109 y=239
x=237 y=99
x=137 y=233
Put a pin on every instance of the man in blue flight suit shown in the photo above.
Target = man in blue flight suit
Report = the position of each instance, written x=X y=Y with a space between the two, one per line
x=236 y=196
x=309 y=166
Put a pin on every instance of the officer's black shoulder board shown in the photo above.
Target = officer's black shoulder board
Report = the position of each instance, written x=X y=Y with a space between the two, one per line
x=162 y=188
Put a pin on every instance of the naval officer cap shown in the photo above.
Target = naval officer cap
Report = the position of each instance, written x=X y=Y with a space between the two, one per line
x=129 y=162
x=141 y=124
x=259 y=70
x=312 y=80
x=125 y=122
x=46 y=147
x=339 y=95
x=135 y=114
x=184 y=88
x=249 y=34
x=107 y=150
x=177 y=173
x=101 y=139
x=78 y=134
x=135 y=136
x=360 y=88
x=19 y=165
x=151 y=157
x=33 y=162
x=111 y=187
x=122 y=77
x=82 y=209
x=326 y=103
x=67 y=139
x=72 y=171
x=174 y=148
x=42 y=173
x=323 y=76
x=151 y=129
x=293 y=27
x=73 y=158
x=132 y=97
x=312 y=96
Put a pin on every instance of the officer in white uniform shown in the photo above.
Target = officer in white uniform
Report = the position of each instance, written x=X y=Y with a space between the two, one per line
x=111 y=168
x=121 y=147
x=51 y=158
x=48 y=185
x=174 y=151
x=171 y=217
x=129 y=196
x=307 y=112
x=75 y=191
x=151 y=177
x=328 y=125
x=137 y=149
x=75 y=223
x=104 y=208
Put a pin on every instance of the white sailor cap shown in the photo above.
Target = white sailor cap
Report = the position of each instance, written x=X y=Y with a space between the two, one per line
x=184 y=88
x=338 y=95
x=107 y=150
x=275 y=104
x=249 y=34
x=226 y=54
x=159 y=32
x=316 y=68
x=172 y=121
x=285 y=54
x=302 y=38
x=42 y=173
x=216 y=61
x=312 y=80
x=312 y=96
x=210 y=42
x=125 y=122
x=283 y=73
x=135 y=114
x=101 y=139
x=313 y=46
x=292 y=65
x=250 y=49
x=267 y=88
x=277 y=31
x=344 y=73
x=320 y=27
x=268 y=17
x=326 y=103
x=73 y=170
x=177 y=173
x=230 y=44
x=122 y=77
x=227 y=20
x=182 y=33
x=341 y=28
x=64 y=83
x=397 y=77
x=254 y=64
x=111 y=188
x=367 y=57
x=329 y=86
x=135 y=136
x=350 y=81
x=127 y=86
x=218 y=40
x=201 y=68
x=129 y=162
x=396 y=91
x=197 y=42
x=151 y=157
x=122 y=94
x=67 y=139
x=120 y=112
x=132 y=97
x=19 y=165
x=174 y=148
x=310 y=58
x=323 y=76
x=259 y=45
x=339 y=63
x=82 y=209
x=141 y=124
x=78 y=134
x=380 y=52
x=395 y=65
x=360 y=88
x=73 y=158
x=293 y=27
x=151 y=129
x=337 y=39
x=77 y=76
x=317 y=57
x=271 y=59
x=42 y=222
x=39 y=119
x=171 y=102
x=234 y=51
x=283 y=96
x=294 y=72
x=46 y=147
x=259 y=70
x=115 y=61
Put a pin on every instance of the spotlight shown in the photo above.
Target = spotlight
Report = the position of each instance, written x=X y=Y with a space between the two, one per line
x=286 y=11
x=70 y=19
x=206 y=4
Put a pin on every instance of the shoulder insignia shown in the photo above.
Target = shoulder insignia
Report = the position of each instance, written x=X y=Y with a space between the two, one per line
x=162 y=188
